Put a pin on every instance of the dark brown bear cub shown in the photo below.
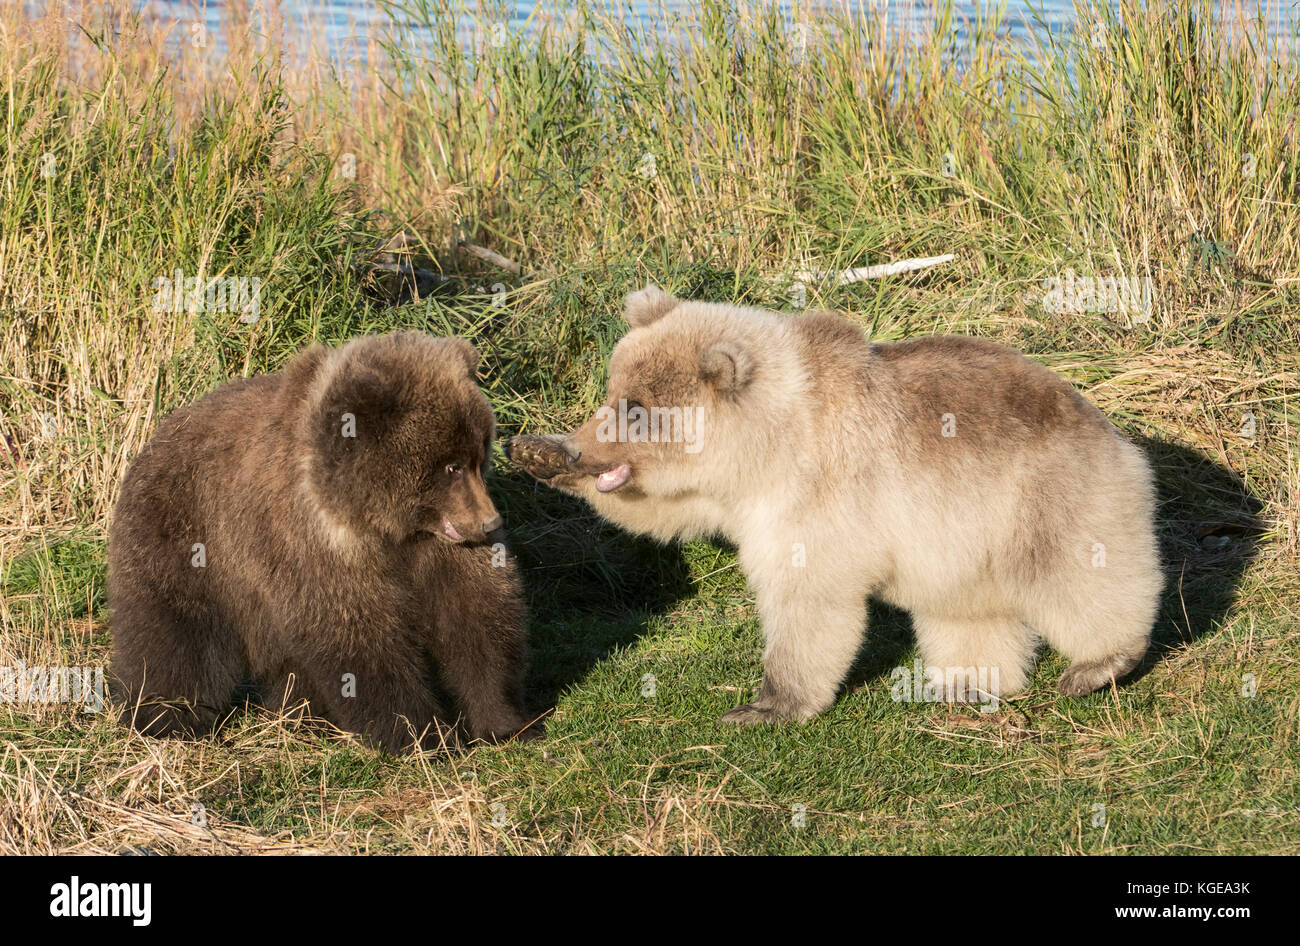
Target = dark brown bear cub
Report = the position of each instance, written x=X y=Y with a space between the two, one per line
x=325 y=532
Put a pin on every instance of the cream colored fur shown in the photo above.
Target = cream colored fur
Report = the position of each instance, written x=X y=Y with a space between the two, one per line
x=828 y=469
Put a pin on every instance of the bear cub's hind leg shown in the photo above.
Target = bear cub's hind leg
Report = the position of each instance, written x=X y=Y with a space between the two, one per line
x=1106 y=640
x=175 y=674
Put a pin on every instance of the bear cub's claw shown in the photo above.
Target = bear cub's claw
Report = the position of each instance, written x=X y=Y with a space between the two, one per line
x=752 y=714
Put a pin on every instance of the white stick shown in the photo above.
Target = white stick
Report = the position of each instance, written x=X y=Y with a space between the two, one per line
x=874 y=272
x=493 y=257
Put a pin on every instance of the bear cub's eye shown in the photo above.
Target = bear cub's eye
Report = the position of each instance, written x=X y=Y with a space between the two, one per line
x=453 y=469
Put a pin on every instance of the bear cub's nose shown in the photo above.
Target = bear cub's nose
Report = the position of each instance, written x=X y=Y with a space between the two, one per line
x=492 y=524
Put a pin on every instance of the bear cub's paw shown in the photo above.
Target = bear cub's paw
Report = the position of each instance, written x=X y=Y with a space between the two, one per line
x=751 y=714
x=519 y=729
x=542 y=456
x=164 y=719
x=762 y=713
x=1082 y=679
x=1088 y=676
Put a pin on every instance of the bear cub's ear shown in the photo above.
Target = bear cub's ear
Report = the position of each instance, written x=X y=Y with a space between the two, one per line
x=647 y=305
x=359 y=407
x=727 y=367
x=464 y=352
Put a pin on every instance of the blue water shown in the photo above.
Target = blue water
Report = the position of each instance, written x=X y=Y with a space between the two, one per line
x=346 y=25
x=344 y=19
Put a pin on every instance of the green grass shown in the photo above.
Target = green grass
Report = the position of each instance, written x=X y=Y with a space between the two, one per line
x=1180 y=760
x=1122 y=157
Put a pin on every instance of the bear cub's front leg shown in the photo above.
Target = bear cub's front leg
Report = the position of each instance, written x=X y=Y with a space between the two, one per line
x=813 y=631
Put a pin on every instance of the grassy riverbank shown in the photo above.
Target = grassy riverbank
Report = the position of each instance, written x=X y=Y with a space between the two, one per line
x=597 y=156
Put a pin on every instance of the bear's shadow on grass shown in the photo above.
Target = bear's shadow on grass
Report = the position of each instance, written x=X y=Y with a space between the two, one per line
x=591 y=587
x=1209 y=526
x=1210 y=530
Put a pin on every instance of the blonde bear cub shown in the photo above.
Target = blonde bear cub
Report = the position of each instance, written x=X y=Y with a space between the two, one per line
x=950 y=477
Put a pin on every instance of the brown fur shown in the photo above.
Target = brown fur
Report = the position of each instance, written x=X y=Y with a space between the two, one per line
x=325 y=554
